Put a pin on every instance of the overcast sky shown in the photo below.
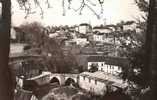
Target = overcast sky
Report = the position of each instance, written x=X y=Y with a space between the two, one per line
x=114 y=11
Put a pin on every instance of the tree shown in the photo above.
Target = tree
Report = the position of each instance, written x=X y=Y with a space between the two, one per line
x=134 y=72
x=137 y=71
x=145 y=26
x=151 y=47
x=48 y=48
x=93 y=68
x=6 y=83
x=34 y=34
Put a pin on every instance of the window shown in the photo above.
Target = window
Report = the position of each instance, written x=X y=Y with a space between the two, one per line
x=0 y=10
x=89 y=80
x=108 y=66
x=119 y=68
x=102 y=64
x=84 y=77
x=95 y=82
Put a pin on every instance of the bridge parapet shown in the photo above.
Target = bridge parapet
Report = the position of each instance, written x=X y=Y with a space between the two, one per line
x=70 y=75
x=41 y=79
x=64 y=77
x=46 y=77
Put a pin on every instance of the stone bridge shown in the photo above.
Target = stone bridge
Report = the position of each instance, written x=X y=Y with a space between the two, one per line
x=64 y=79
x=61 y=79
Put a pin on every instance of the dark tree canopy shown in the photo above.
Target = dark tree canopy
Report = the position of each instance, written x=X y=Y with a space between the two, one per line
x=48 y=48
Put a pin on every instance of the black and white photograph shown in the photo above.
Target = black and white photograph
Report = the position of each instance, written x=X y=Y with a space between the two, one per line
x=78 y=49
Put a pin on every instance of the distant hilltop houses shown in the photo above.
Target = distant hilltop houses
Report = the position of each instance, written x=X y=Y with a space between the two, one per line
x=102 y=33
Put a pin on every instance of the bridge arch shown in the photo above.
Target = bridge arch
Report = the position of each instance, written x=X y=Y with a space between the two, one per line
x=55 y=80
x=69 y=81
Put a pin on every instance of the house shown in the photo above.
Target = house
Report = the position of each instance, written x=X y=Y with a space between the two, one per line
x=74 y=28
x=112 y=27
x=81 y=41
x=53 y=35
x=69 y=43
x=110 y=65
x=88 y=50
x=17 y=47
x=98 y=37
x=76 y=41
x=17 y=35
x=125 y=26
x=129 y=25
x=13 y=34
x=84 y=28
x=102 y=29
x=23 y=65
x=101 y=38
x=103 y=34
x=92 y=83
x=110 y=49
x=21 y=62
x=98 y=82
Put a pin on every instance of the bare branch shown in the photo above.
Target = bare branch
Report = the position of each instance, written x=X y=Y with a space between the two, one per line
x=93 y=12
x=142 y=4
x=87 y=4
x=82 y=4
x=26 y=5
x=63 y=6
x=69 y=1
x=48 y=4
x=93 y=4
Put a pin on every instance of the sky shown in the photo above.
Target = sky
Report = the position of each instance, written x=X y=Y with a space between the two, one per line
x=114 y=12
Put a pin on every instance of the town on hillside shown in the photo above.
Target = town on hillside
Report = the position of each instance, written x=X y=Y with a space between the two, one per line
x=79 y=62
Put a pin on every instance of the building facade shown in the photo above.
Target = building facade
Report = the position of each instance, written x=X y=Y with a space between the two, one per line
x=98 y=37
x=92 y=84
x=84 y=28
x=99 y=82
x=110 y=65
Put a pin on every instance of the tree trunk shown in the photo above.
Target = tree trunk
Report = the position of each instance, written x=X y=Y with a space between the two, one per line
x=6 y=86
x=151 y=48
x=148 y=49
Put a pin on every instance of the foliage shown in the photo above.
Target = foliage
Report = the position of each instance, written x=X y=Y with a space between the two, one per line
x=135 y=71
x=93 y=68
x=49 y=48
x=134 y=50
x=116 y=96
x=142 y=4
x=80 y=69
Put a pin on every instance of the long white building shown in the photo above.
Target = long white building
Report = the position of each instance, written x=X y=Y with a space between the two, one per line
x=110 y=65
x=97 y=82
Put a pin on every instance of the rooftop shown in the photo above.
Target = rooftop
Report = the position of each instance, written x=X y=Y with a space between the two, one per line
x=84 y=24
x=118 y=61
x=23 y=55
x=40 y=76
x=107 y=78
x=102 y=27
